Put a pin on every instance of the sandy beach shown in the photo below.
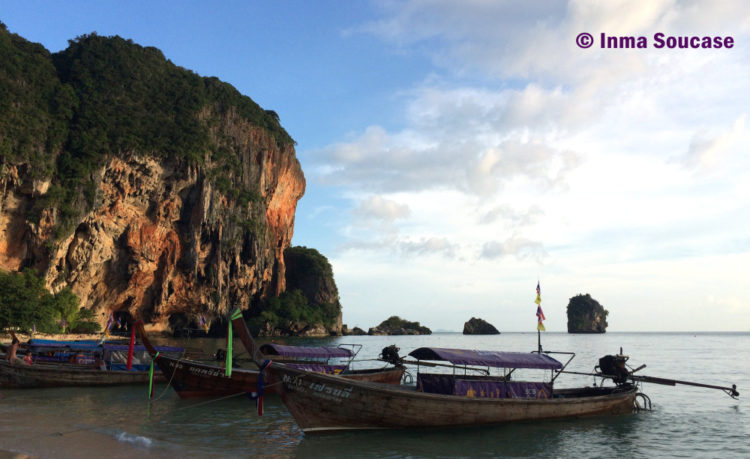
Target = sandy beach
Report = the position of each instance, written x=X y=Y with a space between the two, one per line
x=61 y=337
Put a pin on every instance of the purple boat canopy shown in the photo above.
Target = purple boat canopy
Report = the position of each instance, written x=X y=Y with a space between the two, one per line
x=312 y=352
x=488 y=358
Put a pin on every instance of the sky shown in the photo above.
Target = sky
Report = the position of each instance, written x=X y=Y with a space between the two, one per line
x=458 y=152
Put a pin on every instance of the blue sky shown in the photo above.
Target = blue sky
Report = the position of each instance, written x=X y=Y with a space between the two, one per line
x=456 y=152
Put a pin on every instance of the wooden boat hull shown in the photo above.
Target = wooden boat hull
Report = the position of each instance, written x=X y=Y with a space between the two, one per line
x=19 y=376
x=191 y=379
x=323 y=403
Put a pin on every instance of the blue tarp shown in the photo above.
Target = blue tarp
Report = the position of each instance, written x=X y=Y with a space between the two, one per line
x=488 y=358
x=312 y=352
x=92 y=346
x=83 y=345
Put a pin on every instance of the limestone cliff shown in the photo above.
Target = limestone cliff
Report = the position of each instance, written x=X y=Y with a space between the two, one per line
x=132 y=223
x=586 y=315
x=310 y=272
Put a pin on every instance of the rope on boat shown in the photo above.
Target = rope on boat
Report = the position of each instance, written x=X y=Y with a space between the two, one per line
x=169 y=383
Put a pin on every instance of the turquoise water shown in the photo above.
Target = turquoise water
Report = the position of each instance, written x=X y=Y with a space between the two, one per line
x=685 y=421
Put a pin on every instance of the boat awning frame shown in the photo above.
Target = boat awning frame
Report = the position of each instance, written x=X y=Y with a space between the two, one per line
x=493 y=359
x=306 y=352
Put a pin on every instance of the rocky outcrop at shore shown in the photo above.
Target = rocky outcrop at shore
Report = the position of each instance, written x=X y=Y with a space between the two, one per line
x=356 y=331
x=476 y=326
x=586 y=315
x=395 y=325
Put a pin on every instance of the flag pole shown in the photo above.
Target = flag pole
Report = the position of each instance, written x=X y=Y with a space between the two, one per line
x=540 y=317
x=539 y=339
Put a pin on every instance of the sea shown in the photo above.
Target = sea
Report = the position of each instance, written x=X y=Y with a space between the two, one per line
x=685 y=421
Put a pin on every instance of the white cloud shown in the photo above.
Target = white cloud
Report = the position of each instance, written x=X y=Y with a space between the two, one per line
x=511 y=217
x=379 y=208
x=521 y=153
x=429 y=246
x=708 y=152
x=515 y=246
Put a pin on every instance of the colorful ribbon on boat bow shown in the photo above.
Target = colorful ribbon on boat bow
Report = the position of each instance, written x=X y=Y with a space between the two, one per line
x=151 y=377
x=258 y=396
x=228 y=363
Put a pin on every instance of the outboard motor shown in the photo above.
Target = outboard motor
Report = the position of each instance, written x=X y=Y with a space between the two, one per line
x=614 y=367
x=390 y=355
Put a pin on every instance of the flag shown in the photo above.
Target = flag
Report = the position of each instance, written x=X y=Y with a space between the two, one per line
x=539 y=313
x=110 y=320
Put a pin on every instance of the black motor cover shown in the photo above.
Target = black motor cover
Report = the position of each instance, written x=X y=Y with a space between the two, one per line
x=614 y=366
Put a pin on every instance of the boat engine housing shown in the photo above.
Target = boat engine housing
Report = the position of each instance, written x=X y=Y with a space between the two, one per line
x=614 y=367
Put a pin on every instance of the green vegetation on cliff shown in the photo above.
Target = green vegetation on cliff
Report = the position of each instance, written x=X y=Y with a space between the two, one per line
x=64 y=114
x=311 y=296
x=586 y=315
x=35 y=106
x=293 y=307
x=25 y=302
x=395 y=325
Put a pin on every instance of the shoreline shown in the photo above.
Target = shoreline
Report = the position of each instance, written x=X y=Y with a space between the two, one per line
x=24 y=337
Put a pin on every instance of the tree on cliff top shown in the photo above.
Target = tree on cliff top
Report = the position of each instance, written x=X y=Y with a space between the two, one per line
x=585 y=314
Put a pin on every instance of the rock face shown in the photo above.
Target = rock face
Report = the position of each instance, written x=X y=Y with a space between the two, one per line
x=356 y=331
x=586 y=315
x=395 y=325
x=163 y=236
x=477 y=326
x=310 y=272
x=162 y=244
x=294 y=329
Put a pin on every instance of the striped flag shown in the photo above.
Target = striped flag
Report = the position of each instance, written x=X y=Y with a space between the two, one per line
x=539 y=313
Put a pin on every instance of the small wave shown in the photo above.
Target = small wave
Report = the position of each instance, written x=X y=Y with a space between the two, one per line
x=134 y=439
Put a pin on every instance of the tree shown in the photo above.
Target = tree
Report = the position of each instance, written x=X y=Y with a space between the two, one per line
x=65 y=305
x=26 y=303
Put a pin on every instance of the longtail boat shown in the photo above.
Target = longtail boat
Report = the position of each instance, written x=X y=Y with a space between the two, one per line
x=191 y=378
x=61 y=375
x=319 y=402
x=77 y=363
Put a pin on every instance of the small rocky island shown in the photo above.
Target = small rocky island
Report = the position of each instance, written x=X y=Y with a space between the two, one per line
x=395 y=325
x=586 y=315
x=476 y=326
